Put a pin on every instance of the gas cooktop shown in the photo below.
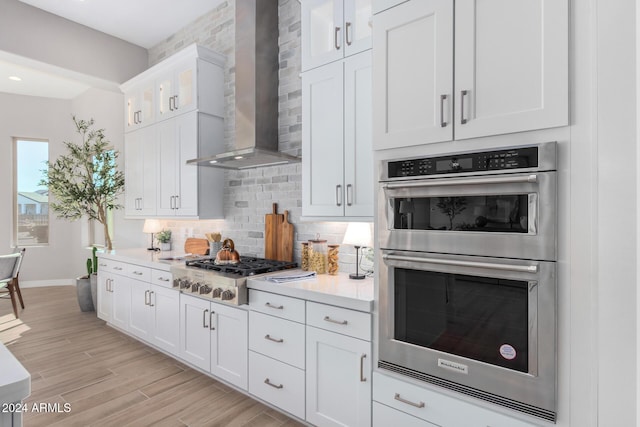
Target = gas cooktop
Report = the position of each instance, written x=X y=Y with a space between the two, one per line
x=248 y=266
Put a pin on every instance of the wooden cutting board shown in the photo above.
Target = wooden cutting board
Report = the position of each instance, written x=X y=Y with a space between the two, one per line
x=196 y=246
x=272 y=224
x=285 y=240
x=278 y=236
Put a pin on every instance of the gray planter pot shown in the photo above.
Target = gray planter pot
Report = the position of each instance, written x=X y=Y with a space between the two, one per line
x=83 y=292
x=94 y=290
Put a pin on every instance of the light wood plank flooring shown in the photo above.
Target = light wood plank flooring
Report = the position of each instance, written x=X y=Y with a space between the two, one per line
x=110 y=379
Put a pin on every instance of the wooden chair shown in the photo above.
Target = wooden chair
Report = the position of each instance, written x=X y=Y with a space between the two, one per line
x=9 y=270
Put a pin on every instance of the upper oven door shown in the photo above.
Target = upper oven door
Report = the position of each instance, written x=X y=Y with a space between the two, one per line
x=509 y=215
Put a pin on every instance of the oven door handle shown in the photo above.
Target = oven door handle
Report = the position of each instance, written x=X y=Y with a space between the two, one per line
x=487 y=265
x=528 y=179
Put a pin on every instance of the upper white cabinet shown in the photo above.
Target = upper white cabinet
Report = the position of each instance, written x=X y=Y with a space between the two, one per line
x=510 y=68
x=337 y=161
x=187 y=102
x=140 y=105
x=334 y=29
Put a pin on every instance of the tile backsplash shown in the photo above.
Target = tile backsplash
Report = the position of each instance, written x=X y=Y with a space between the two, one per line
x=249 y=194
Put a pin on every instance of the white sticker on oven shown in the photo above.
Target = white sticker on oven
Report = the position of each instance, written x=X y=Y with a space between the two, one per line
x=507 y=351
x=453 y=366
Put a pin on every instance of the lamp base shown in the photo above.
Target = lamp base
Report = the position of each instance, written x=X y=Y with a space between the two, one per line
x=356 y=276
x=153 y=249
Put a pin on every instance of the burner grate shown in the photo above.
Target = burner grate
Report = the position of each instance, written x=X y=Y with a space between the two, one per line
x=247 y=266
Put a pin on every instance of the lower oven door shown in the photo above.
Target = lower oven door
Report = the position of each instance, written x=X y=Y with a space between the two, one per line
x=483 y=326
x=505 y=215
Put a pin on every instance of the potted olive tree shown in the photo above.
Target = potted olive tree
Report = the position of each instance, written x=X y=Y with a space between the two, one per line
x=86 y=181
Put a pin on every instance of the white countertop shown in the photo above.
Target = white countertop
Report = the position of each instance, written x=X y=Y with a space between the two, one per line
x=338 y=290
x=15 y=381
x=146 y=258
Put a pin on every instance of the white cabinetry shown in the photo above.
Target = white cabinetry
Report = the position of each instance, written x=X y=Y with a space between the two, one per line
x=214 y=338
x=140 y=157
x=333 y=29
x=114 y=292
x=337 y=161
x=189 y=94
x=510 y=68
x=338 y=366
x=105 y=300
x=433 y=407
x=139 y=107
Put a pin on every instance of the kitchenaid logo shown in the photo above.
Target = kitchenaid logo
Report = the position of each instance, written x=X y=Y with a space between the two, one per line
x=453 y=366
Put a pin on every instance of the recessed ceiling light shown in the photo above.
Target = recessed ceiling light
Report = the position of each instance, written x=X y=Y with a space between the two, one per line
x=213 y=161
x=15 y=78
x=238 y=157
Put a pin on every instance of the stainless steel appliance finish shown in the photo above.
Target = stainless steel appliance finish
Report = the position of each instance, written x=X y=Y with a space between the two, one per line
x=256 y=78
x=502 y=212
x=226 y=283
x=467 y=274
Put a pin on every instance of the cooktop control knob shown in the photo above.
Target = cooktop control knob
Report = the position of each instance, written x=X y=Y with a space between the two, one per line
x=217 y=292
x=176 y=283
x=205 y=289
x=196 y=287
x=227 y=295
x=185 y=284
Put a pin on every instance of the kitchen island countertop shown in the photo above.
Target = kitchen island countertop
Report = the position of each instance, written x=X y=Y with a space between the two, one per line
x=161 y=260
x=338 y=290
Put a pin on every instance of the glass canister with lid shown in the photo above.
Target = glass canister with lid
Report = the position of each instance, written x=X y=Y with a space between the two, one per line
x=318 y=255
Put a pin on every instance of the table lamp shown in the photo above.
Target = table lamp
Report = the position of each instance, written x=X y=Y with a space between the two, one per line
x=358 y=234
x=152 y=226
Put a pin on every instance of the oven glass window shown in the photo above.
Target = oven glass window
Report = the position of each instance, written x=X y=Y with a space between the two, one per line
x=497 y=213
x=480 y=318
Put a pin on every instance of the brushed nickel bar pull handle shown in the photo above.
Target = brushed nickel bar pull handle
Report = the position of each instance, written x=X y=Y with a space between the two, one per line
x=117 y=268
x=177 y=202
x=150 y=304
x=204 y=319
x=335 y=38
x=102 y=265
x=349 y=194
x=472 y=264
x=443 y=123
x=277 y=307
x=338 y=195
x=527 y=179
x=164 y=279
x=146 y=295
x=267 y=382
x=408 y=402
x=175 y=102
x=337 y=322
x=278 y=340
x=463 y=94
x=211 y=320
x=138 y=273
x=362 y=377
x=347 y=26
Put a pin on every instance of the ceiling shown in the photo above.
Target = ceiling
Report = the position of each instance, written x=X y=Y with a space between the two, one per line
x=142 y=22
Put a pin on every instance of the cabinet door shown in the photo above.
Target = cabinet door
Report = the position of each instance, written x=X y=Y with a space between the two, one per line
x=358 y=149
x=166 y=90
x=186 y=85
x=412 y=88
x=229 y=344
x=121 y=294
x=338 y=371
x=165 y=329
x=322 y=32
x=187 y=132
x=140 y=318
x=105 y=300
x=140 y=172
x=167 y=168
x=322 y=141
x=195 y=337
x=357 y=26
x=511 y=66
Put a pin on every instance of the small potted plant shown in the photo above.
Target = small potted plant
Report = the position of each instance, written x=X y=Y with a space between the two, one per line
x=164 y=238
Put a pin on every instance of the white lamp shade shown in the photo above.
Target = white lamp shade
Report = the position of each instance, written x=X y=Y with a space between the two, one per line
x=151 y=226
x=358 y=234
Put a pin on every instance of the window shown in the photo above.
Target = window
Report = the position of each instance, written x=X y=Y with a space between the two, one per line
x=31 y=224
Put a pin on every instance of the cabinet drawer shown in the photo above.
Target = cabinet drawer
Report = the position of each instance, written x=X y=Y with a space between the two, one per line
x=280 y=384
x=137 y=272
x=116 y=267
x=278 y=338
x=436 y=408
x=104 y=264
x=383 y=416
x=161 y=278
x=344 y=321
x=277 y=305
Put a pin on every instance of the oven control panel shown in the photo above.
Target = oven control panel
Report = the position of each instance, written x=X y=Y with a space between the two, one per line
x=509 y=159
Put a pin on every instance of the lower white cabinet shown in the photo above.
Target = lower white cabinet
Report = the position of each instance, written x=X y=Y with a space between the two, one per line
x=105 y=300
x=213 y=337
x=113 y=299
x=338 y=371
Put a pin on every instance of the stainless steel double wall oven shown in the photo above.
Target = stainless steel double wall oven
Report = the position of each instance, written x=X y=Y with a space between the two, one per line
x=467 y=273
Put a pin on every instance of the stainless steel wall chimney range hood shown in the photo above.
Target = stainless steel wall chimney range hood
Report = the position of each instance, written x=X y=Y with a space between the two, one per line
x=256 y=140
